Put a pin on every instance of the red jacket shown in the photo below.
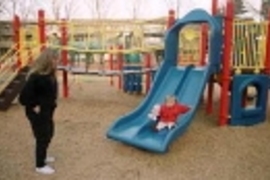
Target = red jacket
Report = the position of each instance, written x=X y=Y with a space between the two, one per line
x=171 y=113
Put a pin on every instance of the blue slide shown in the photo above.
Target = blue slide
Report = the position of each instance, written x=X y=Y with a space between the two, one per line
x=186 y=83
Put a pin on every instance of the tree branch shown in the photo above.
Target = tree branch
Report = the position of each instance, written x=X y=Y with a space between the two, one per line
x=99 y=8
x=136 y=8
x=56 y=6
x=3 y=7
x=70 y=7
x=175 y=5
x=253 y=9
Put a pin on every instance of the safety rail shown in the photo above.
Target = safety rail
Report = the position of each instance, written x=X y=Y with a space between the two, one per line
x=8 y=53
x=249 y=46
x=103 y=51
x=8 y=70
x=159 y=21
x=9 y=66
x=106 y=34
x=249 y=41
x=96 y=36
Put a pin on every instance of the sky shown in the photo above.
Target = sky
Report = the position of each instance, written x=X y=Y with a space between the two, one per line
x=148 y=9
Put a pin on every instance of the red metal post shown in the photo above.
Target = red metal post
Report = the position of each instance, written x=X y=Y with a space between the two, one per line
x=171 y=18
x=16 y=39
x=210 y=94
x=225 y=77
x=204 y=43
x=244 y=98
x=209 y=103
x=214 y=7
x=120 y=67
x=64 y=55
x=111 y=66
x=41 y=25
x=30 y=57
x=148 y=73
x=170 y=22
x=267 y=56
x=211 y=84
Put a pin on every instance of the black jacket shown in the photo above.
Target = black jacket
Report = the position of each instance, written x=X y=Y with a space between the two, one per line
x=39 y=90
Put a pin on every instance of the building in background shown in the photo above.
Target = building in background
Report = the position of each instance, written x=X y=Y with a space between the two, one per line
x=6 y=36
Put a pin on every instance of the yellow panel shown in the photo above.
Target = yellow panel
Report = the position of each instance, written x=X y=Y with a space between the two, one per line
x=249 y=45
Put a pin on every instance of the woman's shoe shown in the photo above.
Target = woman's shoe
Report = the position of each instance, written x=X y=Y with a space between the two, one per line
x=45 y=170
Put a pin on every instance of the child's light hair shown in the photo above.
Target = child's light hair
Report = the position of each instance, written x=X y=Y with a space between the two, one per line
x=169 y=97
x=44 y=64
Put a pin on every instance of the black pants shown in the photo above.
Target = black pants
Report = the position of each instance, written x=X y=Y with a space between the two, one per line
x=43 y=129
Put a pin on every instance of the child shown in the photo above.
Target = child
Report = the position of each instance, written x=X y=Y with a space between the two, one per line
x=169 y=112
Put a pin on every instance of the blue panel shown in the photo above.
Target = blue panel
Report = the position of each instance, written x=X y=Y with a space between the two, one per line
x=252 y=116
x=126 y=80
x=137 y=80
x=132 y=82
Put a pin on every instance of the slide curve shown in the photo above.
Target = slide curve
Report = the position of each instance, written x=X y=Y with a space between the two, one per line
x=186 y=83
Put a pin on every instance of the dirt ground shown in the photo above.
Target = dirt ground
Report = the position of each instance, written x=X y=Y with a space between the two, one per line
x=205 y=152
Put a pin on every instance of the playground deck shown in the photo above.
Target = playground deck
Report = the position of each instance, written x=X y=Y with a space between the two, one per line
x=205 y=152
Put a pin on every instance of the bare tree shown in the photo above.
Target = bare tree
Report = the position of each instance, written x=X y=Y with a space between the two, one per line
x=20 y=7
x=240 y=7
x=13 y=7
x=258 y=11
x=136 y=5
x=70 y=7
x=67 y=6
x=2 y=6
x=99 y=8
x=175 y=5
x=265 y=8
x=26 y=9
x=56 y=8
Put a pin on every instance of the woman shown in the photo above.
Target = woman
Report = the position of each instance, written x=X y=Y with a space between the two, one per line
x=39 y=98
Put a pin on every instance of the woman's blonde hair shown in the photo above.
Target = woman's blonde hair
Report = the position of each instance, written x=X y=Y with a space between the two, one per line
x=44 y=64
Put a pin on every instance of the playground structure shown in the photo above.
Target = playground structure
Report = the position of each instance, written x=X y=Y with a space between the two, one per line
x=124 y=51
x=235 y=65
x=244 y=61
x=78 y=45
